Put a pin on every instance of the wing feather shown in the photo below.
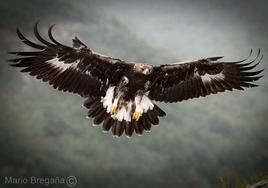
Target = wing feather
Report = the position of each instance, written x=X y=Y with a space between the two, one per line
x=75 y=69
x=192 y=79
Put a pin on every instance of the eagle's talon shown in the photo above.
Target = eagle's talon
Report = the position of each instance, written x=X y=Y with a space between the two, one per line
x=136 y=115
x=113 y=109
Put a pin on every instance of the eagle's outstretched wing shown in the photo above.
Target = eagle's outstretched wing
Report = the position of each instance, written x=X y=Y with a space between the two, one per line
x=75 y=69
x=182 y=81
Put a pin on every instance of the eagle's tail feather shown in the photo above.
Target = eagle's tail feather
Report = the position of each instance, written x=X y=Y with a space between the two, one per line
x=152 y=116
x=107 y=124
x=88 y=102
x=129 y=129
x=100 y=115
x=137 y=127
x=159 y=111
x=118 y=128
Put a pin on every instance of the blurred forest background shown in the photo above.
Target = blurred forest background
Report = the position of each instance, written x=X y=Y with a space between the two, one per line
x=44 y=132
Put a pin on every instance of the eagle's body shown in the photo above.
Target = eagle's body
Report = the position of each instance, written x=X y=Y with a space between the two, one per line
x=120 y=95
x=135 y=80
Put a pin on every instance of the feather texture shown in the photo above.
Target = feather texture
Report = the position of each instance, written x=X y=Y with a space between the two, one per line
x=119 y=95
x=56 y=63
x=192 y=79
x=117 y=124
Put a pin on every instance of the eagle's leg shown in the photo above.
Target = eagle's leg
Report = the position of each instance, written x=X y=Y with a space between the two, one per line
x=114 y=108
x=142 y=102
x=136 y=115
x=107 y=100
x=118 y=94
x=138 y=106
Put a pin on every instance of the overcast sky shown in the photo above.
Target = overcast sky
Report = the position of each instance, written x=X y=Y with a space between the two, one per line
x=193 y=29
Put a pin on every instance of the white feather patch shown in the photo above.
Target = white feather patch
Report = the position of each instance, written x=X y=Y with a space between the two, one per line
x=208 y=77
x=129 y=109
x=115 y=103
x=61 y=65
x=124 y=113
x=146 y=103
x=137 y=104
x=108 y=98
x=143 y=104
x=120 y=114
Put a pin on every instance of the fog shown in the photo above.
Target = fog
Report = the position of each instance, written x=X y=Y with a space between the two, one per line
x=205 y=142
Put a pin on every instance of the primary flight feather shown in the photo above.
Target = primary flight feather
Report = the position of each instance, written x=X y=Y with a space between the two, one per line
x=120 y=95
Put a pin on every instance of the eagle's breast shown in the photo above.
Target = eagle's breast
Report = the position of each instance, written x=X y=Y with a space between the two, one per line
x=138 y=77
x=137 y=82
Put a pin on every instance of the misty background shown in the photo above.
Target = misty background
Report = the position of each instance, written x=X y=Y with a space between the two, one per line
x=200 y=143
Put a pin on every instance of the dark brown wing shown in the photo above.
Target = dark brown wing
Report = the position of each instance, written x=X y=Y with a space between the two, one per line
x=177 y=82
x=75 y=69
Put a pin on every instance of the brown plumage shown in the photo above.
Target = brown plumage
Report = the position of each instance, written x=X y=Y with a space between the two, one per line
x=119 y=95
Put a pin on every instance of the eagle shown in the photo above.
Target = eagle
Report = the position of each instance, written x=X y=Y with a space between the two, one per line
x=121 y=96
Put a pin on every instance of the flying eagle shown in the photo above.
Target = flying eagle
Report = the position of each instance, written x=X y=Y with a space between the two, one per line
x=120 y=95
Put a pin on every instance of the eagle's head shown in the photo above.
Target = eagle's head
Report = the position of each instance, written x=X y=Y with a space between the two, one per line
x=145 y=69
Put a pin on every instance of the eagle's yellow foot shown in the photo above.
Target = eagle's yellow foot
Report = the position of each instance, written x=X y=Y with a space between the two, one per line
x=136 y=115
x=113 y=109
